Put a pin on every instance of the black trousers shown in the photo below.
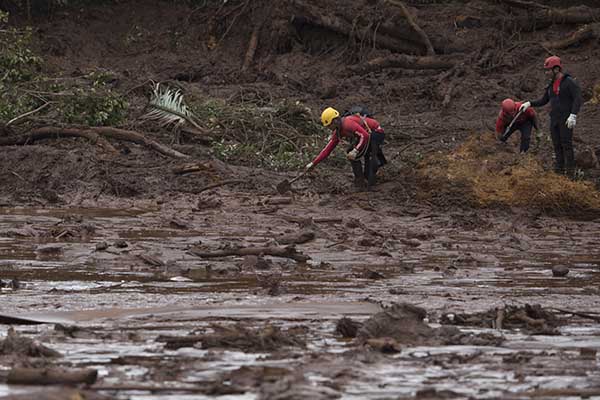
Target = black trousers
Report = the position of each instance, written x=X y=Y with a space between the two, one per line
x=562 y=140
x=374 y=159
x=525 y=129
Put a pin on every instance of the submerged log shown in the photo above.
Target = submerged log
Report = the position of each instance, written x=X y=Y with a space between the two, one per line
x=285 y=252
x=51 y=376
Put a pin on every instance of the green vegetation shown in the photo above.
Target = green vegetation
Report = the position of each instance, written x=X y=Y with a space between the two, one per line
x=23 y=88
x=280 y=136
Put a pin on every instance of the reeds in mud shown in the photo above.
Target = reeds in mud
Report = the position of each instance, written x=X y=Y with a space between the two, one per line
x=486 y=174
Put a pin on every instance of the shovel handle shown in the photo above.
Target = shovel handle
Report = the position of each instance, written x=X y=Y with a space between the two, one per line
x=512 y=122
x=299 y=176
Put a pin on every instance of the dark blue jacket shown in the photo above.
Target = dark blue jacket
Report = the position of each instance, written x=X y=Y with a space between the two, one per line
x=567 y=101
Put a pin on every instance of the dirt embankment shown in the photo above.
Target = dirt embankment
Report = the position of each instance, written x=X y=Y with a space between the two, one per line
x=433 y=74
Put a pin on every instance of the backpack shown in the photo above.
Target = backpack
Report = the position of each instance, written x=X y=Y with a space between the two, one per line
x=357 y=110
x=362 y=112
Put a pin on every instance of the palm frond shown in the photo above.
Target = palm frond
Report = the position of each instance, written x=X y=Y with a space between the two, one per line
x=168 y=108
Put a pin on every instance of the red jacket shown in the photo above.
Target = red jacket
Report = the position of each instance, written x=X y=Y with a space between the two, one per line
x=350 y=127
x=504 y=119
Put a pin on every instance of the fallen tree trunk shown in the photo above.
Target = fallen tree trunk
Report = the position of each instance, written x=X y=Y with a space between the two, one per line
x=285 y=252
x=51 y=376
x=94 y=135
x=313 y=16
x=544 y=17
x=404 y=61
x=584 y=33
x=56 y=133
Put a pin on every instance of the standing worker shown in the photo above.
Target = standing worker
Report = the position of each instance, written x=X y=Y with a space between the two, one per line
x=511 y=119
x=564 y=96
x=366 y=137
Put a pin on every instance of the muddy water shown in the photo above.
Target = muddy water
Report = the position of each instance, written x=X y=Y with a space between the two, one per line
x=124 y=277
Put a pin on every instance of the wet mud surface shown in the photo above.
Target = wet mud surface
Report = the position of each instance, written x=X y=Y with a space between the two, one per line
x=124 y=292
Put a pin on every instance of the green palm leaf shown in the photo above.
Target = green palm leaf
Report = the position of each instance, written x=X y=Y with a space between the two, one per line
x=168 y=108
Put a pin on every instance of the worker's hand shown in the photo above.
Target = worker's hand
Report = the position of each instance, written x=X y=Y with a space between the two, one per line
x=525 y=106
x=571 y=121
x=352 y=154
x=309 y=166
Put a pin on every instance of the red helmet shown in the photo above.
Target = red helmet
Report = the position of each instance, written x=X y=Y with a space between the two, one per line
x=551 y=62
x=508 y=106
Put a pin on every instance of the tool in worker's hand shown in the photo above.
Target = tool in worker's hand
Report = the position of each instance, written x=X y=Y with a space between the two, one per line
x=285 y=185
x=503 y=138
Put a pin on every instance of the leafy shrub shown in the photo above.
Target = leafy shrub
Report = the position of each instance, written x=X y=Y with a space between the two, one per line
x=17 y=60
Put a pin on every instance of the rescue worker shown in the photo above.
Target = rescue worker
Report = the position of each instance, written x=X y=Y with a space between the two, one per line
x=564 y=95
x=524 y=122
x=366 y=137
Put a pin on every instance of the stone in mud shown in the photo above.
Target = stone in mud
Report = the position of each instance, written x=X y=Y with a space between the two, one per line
x=586 y=158
x=347 y=327
x=101 y=246
x=120 y=243
x=402 y=322
x=559 y=271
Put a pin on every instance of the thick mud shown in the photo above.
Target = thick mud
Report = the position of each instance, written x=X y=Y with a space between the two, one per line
x=123 y=293
x=123 y=275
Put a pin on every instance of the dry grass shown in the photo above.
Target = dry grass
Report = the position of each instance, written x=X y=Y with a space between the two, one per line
x=486 y=173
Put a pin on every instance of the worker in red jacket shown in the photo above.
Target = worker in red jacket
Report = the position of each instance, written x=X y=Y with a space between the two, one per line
x=523 y=122
x=366 y=137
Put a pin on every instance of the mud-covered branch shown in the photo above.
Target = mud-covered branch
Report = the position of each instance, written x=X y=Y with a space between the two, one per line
x=422 y=35
x=96 y=135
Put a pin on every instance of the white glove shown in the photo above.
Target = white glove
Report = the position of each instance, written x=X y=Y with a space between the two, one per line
x=571 y=121
x=525 y=106
x=309 y=166
x=352 y=154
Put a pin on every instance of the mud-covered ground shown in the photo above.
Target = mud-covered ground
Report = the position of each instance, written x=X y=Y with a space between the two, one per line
x=121 y=290
x=167 y=288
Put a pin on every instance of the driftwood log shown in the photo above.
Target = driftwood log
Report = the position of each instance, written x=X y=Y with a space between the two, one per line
x=94 y=134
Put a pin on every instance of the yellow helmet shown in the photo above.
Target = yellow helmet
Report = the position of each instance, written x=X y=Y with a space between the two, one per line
x=328 y=115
